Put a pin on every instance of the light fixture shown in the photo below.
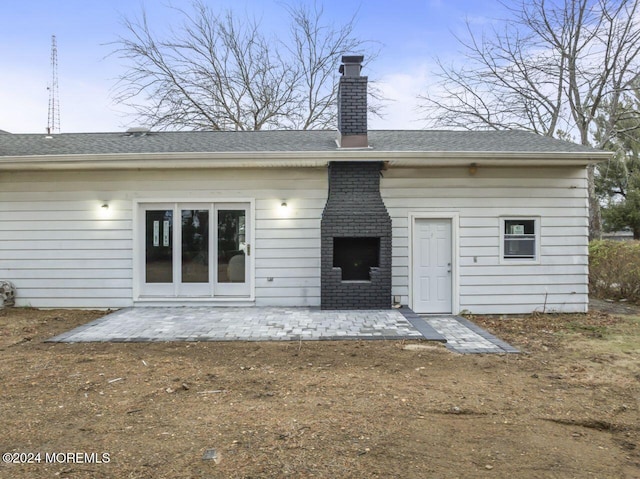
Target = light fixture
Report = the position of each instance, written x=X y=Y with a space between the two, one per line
x=284 y=211
x=473 y=168
x=103 y=211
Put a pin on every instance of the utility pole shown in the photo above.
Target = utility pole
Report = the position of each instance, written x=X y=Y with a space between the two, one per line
x=53 y=117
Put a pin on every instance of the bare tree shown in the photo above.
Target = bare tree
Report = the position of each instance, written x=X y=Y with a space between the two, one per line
x=219 y=73
x=315 y=47
x=552 y=68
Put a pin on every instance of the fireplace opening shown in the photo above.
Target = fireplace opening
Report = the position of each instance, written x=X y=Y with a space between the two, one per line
x=356 y=257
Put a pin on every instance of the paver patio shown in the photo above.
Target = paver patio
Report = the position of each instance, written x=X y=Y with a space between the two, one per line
x=282 y=324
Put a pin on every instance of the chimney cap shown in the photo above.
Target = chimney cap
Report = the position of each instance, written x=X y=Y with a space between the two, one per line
x=351 y=65
x=352 y=58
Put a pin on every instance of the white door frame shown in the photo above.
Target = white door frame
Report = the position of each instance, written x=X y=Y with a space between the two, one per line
x=138 y=253
x=455 y=252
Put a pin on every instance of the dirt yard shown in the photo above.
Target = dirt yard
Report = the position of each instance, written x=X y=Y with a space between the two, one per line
x=566 y=408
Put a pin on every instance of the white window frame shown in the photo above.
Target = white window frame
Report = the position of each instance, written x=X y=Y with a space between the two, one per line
x=536 y=250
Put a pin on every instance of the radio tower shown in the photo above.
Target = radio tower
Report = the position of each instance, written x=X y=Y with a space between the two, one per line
x=53 y=118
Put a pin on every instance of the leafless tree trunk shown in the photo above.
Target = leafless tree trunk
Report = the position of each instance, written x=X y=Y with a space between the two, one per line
x=219 y=73
x=554 y=68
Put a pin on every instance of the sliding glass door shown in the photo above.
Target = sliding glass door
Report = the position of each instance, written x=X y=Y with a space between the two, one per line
x=195 y=250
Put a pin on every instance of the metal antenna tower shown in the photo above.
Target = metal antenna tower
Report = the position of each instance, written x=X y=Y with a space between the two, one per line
x=53 y=118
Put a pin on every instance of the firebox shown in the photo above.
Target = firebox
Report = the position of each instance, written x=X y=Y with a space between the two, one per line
x=355 y=257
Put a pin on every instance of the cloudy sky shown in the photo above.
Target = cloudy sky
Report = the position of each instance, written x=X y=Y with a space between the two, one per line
x=411 y=34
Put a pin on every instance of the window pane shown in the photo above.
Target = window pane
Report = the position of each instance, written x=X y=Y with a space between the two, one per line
x=519 y=247
x=231 y=246
x=158 y=246
x=195 y=246
x=519 y=227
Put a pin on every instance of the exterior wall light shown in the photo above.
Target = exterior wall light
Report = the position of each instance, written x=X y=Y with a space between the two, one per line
x=284 y=210
x=103 y=211
x=473 y=169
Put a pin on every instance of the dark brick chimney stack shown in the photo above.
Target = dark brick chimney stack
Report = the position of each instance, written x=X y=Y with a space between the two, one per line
x=352 y=104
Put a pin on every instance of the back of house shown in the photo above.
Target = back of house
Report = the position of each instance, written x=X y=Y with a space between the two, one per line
x=484 y=222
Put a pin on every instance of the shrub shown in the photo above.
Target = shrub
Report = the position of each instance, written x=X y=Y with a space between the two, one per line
x=614 y=270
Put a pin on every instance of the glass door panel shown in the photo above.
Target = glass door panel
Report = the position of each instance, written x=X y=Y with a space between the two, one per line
x=195 y=246
x=158 y=267
x=195 y=279
x=233 y=249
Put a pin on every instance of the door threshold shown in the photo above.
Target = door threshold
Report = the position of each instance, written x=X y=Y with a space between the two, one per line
x=194 y=303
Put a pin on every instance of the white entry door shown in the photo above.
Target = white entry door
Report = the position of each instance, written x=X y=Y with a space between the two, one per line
x=432 y=266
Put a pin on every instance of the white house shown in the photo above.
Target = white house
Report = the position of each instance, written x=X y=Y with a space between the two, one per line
x=441 y=221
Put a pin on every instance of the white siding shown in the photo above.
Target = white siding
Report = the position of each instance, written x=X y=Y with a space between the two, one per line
x=558 y=196
x=60 y=252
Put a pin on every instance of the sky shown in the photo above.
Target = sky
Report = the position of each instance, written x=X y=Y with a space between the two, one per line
x=410 y=33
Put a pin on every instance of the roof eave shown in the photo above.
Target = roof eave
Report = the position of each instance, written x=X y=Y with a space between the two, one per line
x=255 y=159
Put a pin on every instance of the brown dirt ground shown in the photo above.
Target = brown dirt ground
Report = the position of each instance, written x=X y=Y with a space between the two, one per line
x=566 y=408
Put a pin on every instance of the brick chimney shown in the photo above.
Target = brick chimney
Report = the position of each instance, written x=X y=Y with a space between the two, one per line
x=352 y=104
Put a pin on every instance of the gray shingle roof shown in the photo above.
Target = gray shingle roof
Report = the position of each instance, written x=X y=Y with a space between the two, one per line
x=12 y=145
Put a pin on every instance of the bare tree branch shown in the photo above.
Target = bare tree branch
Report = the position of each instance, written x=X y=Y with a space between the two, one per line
x=218 y=72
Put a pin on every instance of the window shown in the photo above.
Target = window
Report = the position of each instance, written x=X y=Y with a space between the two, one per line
x=519 y=239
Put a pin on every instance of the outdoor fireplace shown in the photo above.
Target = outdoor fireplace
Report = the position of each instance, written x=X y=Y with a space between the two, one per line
x=355 y=239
